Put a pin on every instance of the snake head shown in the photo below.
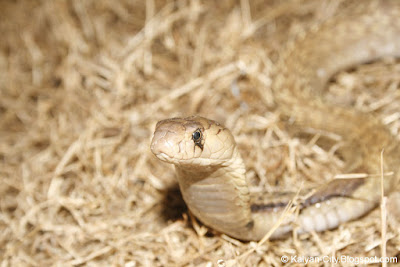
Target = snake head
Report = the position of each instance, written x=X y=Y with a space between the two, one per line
x=192 y=141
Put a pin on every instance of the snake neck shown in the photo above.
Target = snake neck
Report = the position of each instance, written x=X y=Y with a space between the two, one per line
x=219 y=195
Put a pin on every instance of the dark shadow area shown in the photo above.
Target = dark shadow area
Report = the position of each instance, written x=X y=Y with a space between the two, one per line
x=173 y=205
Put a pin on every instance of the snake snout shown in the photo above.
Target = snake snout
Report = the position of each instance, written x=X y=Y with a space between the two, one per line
x=160 y=146
x=166 y=140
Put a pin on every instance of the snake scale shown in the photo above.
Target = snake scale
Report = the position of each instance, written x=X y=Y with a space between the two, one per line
x=210 y=170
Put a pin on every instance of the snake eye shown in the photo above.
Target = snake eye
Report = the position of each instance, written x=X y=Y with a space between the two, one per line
x=196 y=136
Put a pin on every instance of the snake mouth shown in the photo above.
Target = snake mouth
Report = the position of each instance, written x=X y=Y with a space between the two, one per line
x=164 y=157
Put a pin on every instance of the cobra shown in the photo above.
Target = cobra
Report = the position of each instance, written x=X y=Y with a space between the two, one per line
x=211 y=172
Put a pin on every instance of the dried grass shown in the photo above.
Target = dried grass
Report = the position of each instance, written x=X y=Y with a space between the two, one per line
x=83 y=84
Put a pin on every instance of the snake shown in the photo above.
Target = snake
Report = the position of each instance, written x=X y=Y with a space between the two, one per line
x=211 y=172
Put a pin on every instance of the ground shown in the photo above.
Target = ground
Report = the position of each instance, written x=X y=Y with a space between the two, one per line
x=82 y=85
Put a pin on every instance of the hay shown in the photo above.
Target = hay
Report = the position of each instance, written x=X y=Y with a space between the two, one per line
x=83 y=84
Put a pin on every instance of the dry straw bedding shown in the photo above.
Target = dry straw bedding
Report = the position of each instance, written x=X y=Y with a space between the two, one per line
x=83 y=84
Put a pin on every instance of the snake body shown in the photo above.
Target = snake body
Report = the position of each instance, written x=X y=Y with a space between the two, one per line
x=211 y=172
